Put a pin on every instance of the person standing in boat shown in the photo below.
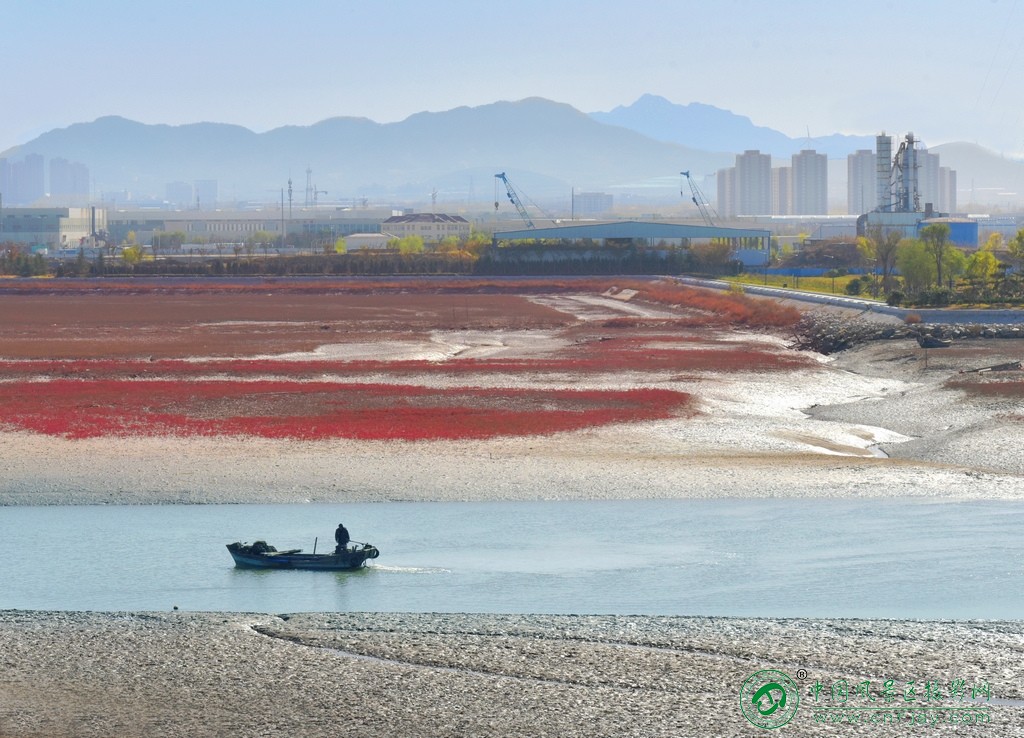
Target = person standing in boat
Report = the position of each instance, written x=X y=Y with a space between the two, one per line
x=341 y=538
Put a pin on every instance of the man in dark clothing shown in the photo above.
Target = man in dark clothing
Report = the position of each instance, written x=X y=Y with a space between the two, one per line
x=341 y=538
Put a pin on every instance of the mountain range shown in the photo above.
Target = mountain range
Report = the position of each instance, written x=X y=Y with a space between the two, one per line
x=713 y=129
x=545 y=147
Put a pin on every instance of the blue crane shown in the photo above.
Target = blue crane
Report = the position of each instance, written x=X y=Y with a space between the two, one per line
x=514 y=197
x=699 y=200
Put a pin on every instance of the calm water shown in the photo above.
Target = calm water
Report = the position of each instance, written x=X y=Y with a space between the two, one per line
x=778 y=558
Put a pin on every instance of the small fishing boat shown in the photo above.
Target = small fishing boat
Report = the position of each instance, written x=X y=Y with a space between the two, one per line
x=261 y=555
x=934 y=342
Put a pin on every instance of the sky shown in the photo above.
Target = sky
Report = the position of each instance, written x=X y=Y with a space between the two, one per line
x=942 y=69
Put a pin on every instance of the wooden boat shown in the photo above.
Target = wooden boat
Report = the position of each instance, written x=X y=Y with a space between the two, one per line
x=261 y=555
x=933 y=342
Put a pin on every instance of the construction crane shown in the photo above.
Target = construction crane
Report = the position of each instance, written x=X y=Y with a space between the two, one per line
x=706 y=211
x=514 y=197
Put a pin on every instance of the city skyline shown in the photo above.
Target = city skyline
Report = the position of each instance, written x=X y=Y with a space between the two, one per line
x=797 y=67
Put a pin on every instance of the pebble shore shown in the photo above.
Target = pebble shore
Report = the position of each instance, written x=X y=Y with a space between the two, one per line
x=440 y=676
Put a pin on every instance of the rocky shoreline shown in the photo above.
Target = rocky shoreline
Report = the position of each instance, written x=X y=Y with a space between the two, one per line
x=830 y=333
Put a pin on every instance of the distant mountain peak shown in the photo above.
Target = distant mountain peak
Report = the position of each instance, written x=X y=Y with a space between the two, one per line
x=709 y=128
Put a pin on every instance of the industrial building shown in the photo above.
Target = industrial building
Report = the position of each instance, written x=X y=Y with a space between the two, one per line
x=51 y=228
x=909 y=185
x=750 y=246
x=233 y=226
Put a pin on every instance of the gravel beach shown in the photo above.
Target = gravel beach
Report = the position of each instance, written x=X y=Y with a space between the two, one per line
x=435 y=676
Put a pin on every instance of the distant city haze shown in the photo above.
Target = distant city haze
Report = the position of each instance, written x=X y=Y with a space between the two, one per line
x=944 y=70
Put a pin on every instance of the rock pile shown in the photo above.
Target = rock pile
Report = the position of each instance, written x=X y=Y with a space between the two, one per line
x=827 y=333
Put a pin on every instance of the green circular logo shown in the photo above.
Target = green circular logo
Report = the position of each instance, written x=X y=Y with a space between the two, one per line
x=769 y=698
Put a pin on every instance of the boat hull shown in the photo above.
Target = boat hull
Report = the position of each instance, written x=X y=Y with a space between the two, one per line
x=353 y=558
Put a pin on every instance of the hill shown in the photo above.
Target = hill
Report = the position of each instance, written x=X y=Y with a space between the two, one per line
x=547 y=147
x=983 y=176
x=713 y=129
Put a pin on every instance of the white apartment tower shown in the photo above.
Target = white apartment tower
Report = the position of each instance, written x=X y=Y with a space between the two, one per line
x=810 y=183
x=861 y=190
x=753 y=183
x=782 y=191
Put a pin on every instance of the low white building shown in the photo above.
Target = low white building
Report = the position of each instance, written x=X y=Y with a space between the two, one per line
x=367 y=242
x=431 y=227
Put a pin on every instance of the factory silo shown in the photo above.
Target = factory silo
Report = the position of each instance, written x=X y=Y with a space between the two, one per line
x=883 y=155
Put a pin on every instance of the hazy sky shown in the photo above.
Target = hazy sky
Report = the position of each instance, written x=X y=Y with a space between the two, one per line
x=944 y=69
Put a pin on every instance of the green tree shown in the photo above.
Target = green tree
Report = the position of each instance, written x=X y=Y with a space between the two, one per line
x=954 y=263
x=449 y=245
x=477 y=242
x=408 y=244
x=915 y=264
x=936 y=241
x=994 y=242
x=261 y=239
x=885 y=251
x=1016 y=245
x=712 y=257
x=131 y=255
x=981 y=267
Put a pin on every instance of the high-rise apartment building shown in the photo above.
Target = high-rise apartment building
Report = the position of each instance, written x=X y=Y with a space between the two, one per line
x=22 y=182
x=928 y=179
x=861 y=187
x=179 y=195
x=947 y=190
x=810 y=183
x=592 y=203
x=726 y=187
x=205 y=191
x=753 y=183
x=782 y=191
x=68 y=179
x=5 y=179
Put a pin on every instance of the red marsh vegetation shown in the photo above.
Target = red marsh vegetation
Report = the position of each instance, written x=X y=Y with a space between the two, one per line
x=1003 y=388
x=81 y=358
x=316 y=411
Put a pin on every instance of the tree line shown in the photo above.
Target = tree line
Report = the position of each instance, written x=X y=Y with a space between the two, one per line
x=931 y=270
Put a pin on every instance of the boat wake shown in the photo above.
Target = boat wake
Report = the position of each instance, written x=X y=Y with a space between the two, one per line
x=411 y=569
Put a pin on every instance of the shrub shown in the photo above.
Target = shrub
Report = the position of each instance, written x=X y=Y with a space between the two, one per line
x=854 y=286
x=940 y=297
x=894 y=299
x=912 y=319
